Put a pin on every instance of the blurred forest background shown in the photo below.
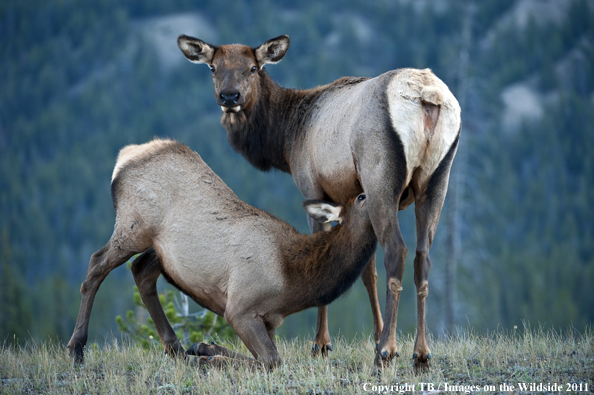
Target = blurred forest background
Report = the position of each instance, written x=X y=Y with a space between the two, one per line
x=79 y=80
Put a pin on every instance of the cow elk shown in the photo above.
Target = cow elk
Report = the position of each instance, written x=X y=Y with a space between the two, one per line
x=393 y=137
x=229 y=257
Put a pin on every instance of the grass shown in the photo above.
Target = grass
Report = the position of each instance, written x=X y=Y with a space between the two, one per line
x=467 y=358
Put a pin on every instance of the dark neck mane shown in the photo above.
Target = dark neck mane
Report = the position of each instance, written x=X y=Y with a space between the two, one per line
x=265 y=133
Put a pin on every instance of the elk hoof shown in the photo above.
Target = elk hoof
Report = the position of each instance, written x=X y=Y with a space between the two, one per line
x=316 y=349
x=193 y=350
x=384 y=357
x=77 y=353
x=203 y=349
x=421 y=363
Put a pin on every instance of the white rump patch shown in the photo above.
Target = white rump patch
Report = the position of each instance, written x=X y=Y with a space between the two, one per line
x=406 y=92
x=134 y=152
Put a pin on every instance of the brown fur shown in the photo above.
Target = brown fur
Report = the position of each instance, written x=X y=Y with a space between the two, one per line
x=232 y=258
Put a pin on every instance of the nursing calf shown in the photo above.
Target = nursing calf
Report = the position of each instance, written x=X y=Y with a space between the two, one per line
x=229 y=257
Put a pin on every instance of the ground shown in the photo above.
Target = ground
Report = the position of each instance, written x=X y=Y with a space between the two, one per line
x=464 y=362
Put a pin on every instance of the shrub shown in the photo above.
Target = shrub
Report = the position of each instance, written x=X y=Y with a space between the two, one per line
x=189 y=328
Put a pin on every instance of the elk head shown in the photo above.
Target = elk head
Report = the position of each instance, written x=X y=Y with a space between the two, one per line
x=353 y=214
x=235 y=68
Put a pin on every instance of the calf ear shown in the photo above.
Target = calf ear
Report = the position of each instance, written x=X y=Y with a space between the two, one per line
x=273 y=50
x=197 y=51
x=324 y=212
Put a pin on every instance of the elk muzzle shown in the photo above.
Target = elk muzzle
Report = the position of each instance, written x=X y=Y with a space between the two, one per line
x=229 y=101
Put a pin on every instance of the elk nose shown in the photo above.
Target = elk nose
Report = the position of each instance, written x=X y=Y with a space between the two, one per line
x=229 y=98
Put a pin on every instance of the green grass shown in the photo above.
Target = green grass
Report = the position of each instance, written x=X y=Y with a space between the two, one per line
x=527 y=356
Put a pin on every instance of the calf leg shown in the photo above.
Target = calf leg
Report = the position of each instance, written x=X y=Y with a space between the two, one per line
x=251 y=329
x=369 y=278
x=102 y=262
x=212 y=349
x=146 y=269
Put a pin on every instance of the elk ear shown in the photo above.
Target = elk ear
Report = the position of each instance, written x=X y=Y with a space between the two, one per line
x=324 y=212
x=197 y=51
x=273 y=50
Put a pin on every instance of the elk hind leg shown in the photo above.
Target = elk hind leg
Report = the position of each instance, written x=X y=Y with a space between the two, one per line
x=101 y=264
x=146 y=269
x=381 y=168
x=426 y=223
x=394 y=260
x=428 y=207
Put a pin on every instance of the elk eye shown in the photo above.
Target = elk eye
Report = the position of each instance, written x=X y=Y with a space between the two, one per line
x=253 y=70
x=212 y=68
x=361 y=197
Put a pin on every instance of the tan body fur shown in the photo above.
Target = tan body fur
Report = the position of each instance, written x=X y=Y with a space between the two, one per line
x=228 y=256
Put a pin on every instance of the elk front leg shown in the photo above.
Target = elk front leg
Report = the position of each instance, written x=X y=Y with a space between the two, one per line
x=146 y=269
x=252 y=330
x=369 y=278
x=214 y=355
x=322 y=343
x=213 y=349
x=102 y=262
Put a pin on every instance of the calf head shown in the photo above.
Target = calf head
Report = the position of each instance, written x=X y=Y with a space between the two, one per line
x=353 y=214
x=235 y=68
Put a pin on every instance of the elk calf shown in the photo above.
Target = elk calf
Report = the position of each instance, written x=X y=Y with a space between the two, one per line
x=229 y=257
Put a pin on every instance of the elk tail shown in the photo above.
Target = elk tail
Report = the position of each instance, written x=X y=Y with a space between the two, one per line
x=432 y=94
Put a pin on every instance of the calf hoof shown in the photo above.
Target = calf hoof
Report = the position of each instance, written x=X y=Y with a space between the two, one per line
x=317 y=349
x=202 y=349
x=421 y=362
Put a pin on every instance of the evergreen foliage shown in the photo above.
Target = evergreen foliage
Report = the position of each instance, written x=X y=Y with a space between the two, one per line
x=189 y=328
